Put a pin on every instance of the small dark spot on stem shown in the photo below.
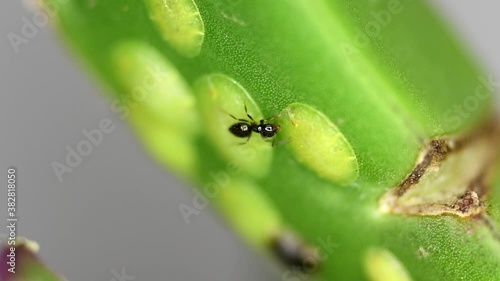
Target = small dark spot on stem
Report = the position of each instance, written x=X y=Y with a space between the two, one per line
x=295 y=253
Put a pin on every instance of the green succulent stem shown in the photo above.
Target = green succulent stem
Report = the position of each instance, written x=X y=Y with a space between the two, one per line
x=372 y=99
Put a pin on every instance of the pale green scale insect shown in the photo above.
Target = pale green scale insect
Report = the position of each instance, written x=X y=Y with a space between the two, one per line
x=179 y=23
x=250 y=211
x=153 y=82
x=219 y=97
x=382 y=265
x=317 y=143
x=158 y=102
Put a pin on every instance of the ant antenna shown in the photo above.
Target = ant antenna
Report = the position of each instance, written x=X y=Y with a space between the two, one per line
x=246 y=111
x=237 y=119
x=232 y=116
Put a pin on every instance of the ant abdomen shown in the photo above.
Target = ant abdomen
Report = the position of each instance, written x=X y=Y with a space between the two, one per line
x=241 y=130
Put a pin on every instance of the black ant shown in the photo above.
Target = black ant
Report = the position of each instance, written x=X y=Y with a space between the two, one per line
x=244 y=128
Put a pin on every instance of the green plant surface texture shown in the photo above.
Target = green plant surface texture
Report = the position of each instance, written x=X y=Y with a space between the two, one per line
x=367 y=84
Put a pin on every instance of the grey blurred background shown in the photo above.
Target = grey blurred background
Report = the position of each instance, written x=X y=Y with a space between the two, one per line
x=118 y=209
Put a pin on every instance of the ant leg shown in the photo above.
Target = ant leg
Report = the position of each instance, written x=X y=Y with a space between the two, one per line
x=270 y=118
x=273 y=142
x=281 y=142
x=275 y=116
x=246 y=141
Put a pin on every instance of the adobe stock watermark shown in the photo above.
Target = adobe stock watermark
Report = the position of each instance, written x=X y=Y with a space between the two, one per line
x=74 y=156
x=30 y=27
x=461 y=111
x=220 y=180
x=379 y=19
x=324 y=250
x=121 y=276
x=94 y=137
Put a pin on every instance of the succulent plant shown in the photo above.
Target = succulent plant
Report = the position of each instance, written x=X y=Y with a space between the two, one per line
x=380 y=162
